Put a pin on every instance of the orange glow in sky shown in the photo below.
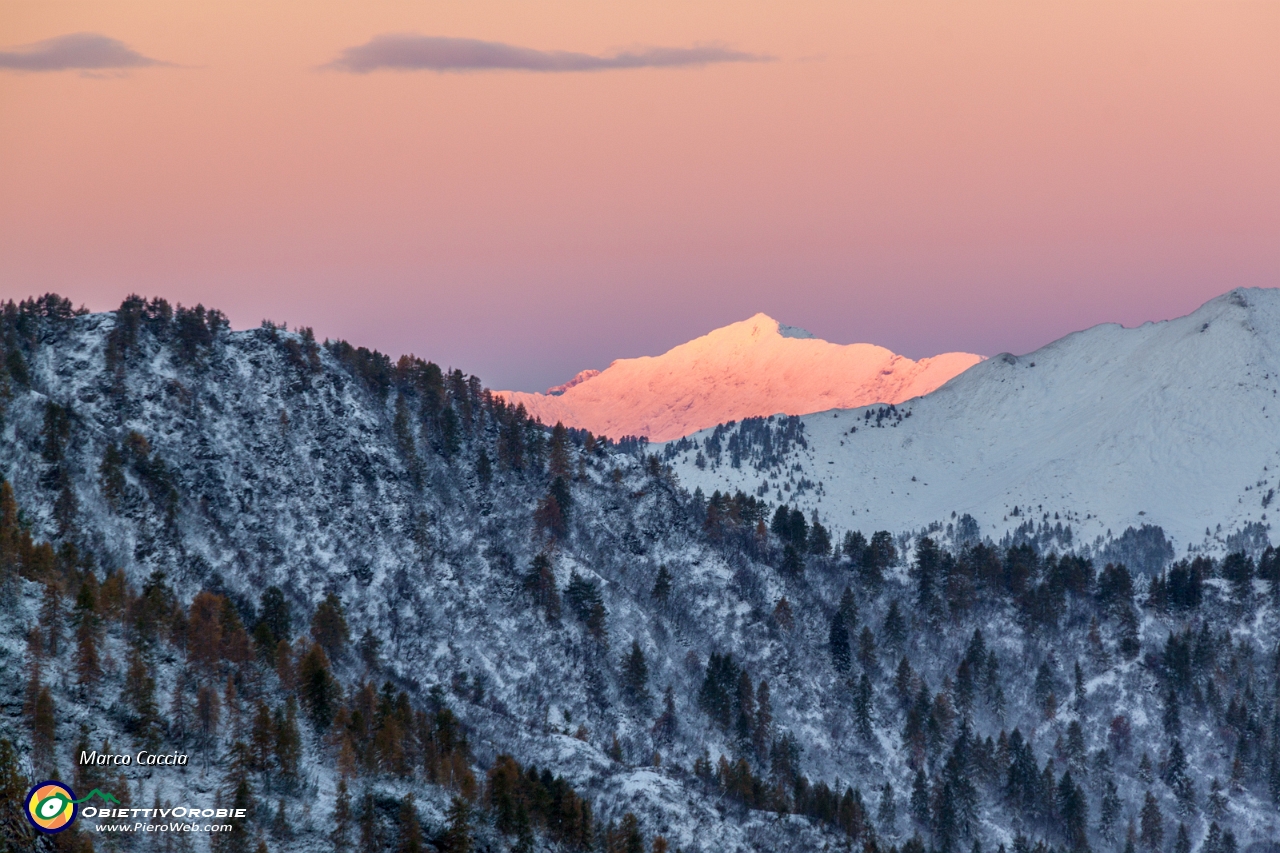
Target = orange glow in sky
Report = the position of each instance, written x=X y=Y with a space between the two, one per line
x=928 y=176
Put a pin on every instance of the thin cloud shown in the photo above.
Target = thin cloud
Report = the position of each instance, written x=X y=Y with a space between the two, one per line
x=75 y=51
x=407 y=52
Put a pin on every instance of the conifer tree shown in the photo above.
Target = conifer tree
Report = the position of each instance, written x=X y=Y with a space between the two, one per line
x=838 y=643
x=317 y=687
x=635 y=676
x=853 y=546
x=549 y=517
x=862 y=708
x=1109 y=810
x=880 y=555
x=926 y=570
x=1073 y=812
x=780 y=526
x=904 y=682
x=368 y=820
x=484 y=468
x=819 y=540
x=280 y=827
x=1238 y=569
x=448 y=437
x=558 y=464
x=208 y=711
x=763 y=730
x=1212 y=839
x=887 y=813
x=964 y=688
x=403 y=431
x=238 y=839
x=261 y=738
x=867 y=655
x=1177 y=778
x=1228 y=842
x=1130 y=644
x=848 y=609
x=288 y=741
x=744 y=722
x=629 y=831
x=798 y=535
x=1152 y=821
x=1046 y=696
x=1217 y=804
x=205 y=628
x=1182 y=842
x=542 y=583
x=523 y=830
x=782 y=615
x=666 y=726
x=410 y=835
x=458 y=836
x=894 y=629
x=559 y=489
x=273 y=614
x=792 y=562
x=329 y=627
x=1171 y=716
x=662 y=585
x=597 y=626
x=88 y=663
x=370 y=649
x=1131 y=839
x=140 y=692
x=52 y=618
x=920 y=799
x=43 y=727
x=16 y=834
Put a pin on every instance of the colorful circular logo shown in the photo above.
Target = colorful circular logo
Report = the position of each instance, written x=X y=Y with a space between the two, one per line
x=51 y=806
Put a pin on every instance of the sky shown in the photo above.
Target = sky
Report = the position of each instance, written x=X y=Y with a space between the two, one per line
x=524 y=190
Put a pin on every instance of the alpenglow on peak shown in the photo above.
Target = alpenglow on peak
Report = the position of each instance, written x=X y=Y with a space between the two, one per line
x=752 y=368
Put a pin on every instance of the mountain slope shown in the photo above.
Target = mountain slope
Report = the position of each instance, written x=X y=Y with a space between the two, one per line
x=1174 y=423
x=747 y=369
x=213 y=501
x=231 y=462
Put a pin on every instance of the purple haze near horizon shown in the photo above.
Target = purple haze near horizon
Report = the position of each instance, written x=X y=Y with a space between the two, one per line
x=589 y=331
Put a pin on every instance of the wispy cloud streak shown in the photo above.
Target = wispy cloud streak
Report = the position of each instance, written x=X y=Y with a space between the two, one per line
x=74 y=51
x=408 y=52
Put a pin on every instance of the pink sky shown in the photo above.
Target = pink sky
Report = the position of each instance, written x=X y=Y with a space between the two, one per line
x=925 y=176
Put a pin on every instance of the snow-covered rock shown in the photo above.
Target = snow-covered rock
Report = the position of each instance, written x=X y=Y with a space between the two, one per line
x=1175 y=424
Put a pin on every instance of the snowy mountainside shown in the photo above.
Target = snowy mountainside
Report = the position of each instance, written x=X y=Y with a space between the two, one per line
x=263 y=459
x=1175 y=424
x=683 y=672
x=747 y=369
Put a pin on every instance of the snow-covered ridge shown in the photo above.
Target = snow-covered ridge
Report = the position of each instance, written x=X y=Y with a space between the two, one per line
x=748 y=369
x=1175 y=423
x=259 y=458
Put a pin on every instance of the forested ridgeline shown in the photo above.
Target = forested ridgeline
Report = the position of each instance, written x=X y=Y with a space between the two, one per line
x=381 y=609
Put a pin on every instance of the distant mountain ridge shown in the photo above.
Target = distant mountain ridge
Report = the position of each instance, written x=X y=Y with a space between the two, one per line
x=747 y=369
x=1175 y=423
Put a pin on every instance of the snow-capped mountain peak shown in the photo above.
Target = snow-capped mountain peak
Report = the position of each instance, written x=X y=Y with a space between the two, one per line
x=751 y=368
x=1175 y=423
